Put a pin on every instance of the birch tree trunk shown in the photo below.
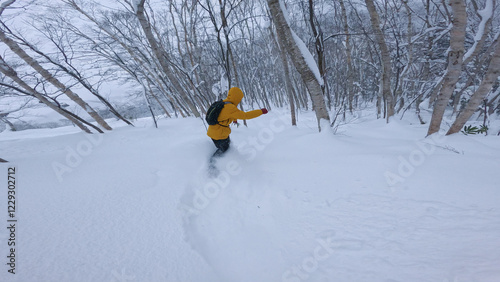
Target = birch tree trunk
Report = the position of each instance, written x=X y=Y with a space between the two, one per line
x=286 y=74
x=455 y=62
x=162 y=57
x=398 y=95
x=50 y=78
x=11 y=73
x=350 y=72
x=426 y=71
x=386 y=59
x=148 y=71
x=287 y=41
x=73 y=72
x=484 y=88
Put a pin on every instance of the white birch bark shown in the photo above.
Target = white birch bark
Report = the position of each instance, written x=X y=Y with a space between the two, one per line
x=53 y=80
x=484 y=88
x=73 y=72
x=386 y=59
x=162 y=56
x=455 y=62
x=310 y=78
x=11 y=73
x=286 y=74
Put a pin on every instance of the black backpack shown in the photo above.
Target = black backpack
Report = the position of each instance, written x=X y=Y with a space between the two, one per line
x=213 y=112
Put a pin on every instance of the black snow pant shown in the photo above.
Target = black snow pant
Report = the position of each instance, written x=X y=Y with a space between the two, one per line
x=222 y=146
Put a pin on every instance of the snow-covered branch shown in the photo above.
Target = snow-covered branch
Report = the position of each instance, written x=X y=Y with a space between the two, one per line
x=5 y=5
x=486 y=15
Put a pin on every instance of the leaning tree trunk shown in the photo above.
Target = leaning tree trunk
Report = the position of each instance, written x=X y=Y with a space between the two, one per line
x=286 y=39
x=11 y=73
x=484 y=88
x=50 y=78
x=455 y=62
x=386 y=59
x=286 y=74
x=162 y=57
x=149 y=72
x=76 y=75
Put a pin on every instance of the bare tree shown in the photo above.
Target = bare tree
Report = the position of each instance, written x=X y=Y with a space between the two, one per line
x=46 y=74
x=286 y=76
x=479 y=95
x=385 y=57
x=67 y=66
x=162 y=56
x=393 y=55
x=350 y=68
x=222 y=30
x=52 y=79
x=28 y=90
x=311 y=80
x=455 y=61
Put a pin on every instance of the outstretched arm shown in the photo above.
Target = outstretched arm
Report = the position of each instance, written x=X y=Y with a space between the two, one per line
x=238 y=114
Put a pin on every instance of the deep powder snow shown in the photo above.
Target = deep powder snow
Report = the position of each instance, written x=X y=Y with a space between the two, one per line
x=375 y=202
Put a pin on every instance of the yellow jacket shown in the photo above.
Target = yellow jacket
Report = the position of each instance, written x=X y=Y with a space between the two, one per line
x=229 y=113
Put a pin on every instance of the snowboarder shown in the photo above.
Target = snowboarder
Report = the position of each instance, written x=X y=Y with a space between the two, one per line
x=220 y=132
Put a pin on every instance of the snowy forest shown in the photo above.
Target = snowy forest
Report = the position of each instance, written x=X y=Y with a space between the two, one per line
x=81 y=62
x=364 y=141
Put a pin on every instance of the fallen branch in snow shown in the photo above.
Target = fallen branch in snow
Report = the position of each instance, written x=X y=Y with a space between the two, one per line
x=447 y=148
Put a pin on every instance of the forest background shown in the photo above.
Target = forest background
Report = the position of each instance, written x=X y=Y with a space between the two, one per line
x=81 y=62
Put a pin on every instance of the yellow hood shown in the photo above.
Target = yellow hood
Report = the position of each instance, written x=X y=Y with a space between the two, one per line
x=234 y=96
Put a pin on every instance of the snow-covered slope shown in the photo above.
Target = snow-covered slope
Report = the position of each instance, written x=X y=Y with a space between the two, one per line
x=377 y=202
